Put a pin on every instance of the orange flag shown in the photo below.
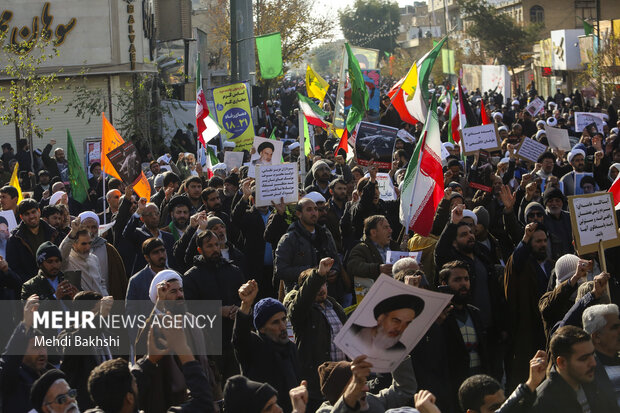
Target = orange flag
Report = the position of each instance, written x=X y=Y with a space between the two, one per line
x=111 y=139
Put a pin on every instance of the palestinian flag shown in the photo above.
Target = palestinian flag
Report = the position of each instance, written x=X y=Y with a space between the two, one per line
x=314 y=114
x=423 y=182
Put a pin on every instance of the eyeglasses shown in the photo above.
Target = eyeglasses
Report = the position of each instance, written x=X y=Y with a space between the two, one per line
x=64 y=398
x=536 y=214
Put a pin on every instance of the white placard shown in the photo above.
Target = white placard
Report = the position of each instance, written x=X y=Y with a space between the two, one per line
x=9 y=216
x=386 y=187
x=480 y=137
x=233 y=160
x=276 y=181
x=365 y=334
x=531 y=149
x=557 y=138
x=583 y=119
x=393 y=256
x=593 y=218
x=535 y=106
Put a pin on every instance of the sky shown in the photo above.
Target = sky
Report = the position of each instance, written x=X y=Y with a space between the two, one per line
x=322 y=6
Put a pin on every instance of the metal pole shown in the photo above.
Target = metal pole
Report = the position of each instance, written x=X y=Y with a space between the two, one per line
x=234 y=62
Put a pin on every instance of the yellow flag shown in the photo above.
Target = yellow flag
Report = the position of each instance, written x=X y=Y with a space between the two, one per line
x=411 y=81
x=316 y=86
x=14 y=182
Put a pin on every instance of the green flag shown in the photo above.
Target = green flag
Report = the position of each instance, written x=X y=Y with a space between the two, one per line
x=307 y=146
x=588 y=28
x=77 y=176
x=269 y=49
x=359 y=92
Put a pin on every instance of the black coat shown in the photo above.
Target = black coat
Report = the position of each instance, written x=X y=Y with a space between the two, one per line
x=20 y=256
x=214 y=281
x=555 y=395
x=16 y=377
x=264 y=361
x=457 y=355
x=250 y=222
x=312 y=329
x=40 y=286
x=136 y=233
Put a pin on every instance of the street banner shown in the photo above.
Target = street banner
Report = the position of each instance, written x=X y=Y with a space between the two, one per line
x=232 y=105
x=269 y=50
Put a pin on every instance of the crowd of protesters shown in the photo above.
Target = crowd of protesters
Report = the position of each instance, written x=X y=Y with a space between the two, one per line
x=529 y=317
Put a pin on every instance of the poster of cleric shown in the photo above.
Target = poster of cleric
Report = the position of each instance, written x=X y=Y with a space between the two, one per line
x=389 y=322
x=375 y=143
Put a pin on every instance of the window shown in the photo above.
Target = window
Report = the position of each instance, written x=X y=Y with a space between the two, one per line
x=537 y=14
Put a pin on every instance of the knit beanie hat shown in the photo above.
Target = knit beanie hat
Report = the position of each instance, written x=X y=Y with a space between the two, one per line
x=265 y=309
x=42 y=385
x=456 y=195
x=213 y=221
x=533 y=206
x=483 y=216
x=47 y=250
x=565 y=266
x=552 y=192
x=333 y=377
x=242 y=395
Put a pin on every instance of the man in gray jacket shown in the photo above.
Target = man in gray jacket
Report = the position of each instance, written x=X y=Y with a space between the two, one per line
x=304 y=245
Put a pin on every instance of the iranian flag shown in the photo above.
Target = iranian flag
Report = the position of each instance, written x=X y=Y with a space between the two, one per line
x=423 y=182
x=453 y=125
x=207 y=127
x=207 y=158
x=462 y=112
x=615 y=191
x=314 y=114
x=411 y=98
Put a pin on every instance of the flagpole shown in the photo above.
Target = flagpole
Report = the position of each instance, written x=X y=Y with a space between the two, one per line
x=104 y=193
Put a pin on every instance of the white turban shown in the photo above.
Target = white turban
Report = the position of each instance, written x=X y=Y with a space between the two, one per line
x=551 y=121
x=162 y=276
x=504 y=128
x=574 y=153
x=504 y=160
x=315 y=196
x=293 y=145
x=494 y=114
x=539 y=133
x=88 y=214
x=448 y=145
x=56 y=196
x=540 y=122
x=516 y=102
x=567 y=100
x=219 y=166
x=467 y=213
x=614 y=131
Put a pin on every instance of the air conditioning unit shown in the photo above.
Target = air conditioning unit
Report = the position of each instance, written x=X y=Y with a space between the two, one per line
x=173 y=19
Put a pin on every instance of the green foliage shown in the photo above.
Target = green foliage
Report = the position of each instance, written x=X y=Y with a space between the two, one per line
x=326 y=58
x=602 y=71
x=372 y=24
x=136 y=109
x=498 y=34
x=30 y=88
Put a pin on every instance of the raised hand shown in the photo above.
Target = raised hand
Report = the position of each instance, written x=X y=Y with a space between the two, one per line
x=507 y=198
x=538 y=367
x=247 y=294
x=529 y=231
x=600 y=284
x=325 y=266
x=457 y=214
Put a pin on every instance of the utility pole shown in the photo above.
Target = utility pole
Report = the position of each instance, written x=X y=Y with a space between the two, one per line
x=234 y=60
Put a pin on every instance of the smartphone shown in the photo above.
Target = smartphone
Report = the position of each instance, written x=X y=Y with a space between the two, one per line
x=444 y=289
